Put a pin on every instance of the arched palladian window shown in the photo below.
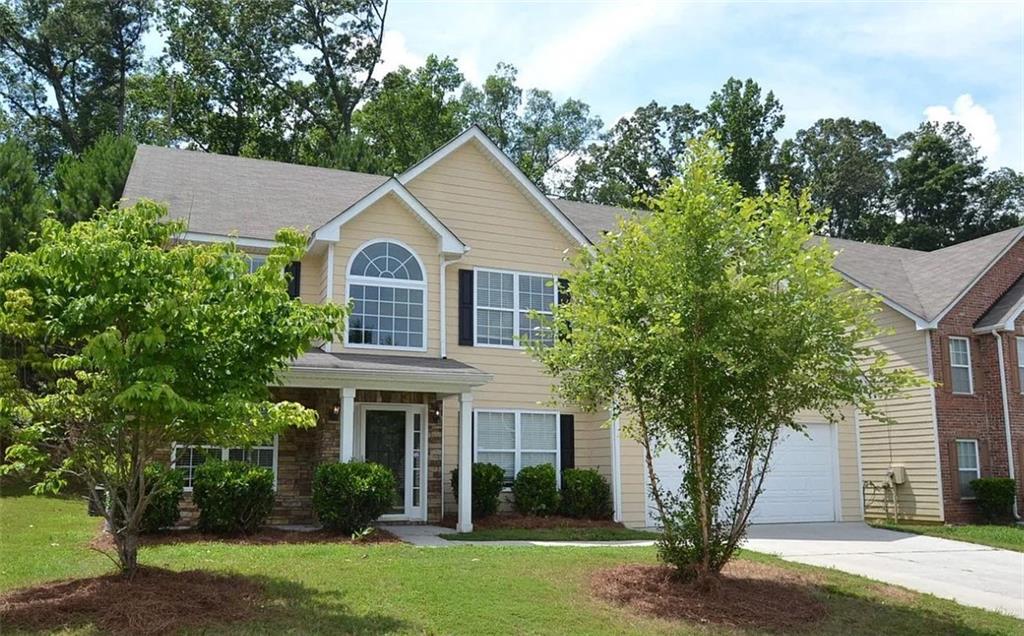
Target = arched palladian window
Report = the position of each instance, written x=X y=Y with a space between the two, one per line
x=386 y=283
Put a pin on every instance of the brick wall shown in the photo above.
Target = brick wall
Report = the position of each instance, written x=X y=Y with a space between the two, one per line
x=979 y=416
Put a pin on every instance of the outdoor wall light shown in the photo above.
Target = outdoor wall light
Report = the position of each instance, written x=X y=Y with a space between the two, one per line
x=336 y=409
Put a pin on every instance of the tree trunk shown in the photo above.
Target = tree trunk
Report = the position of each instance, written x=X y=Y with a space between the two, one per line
x=128 y=551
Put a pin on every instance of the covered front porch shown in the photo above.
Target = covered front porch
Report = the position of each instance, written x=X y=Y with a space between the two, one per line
x=387 y=409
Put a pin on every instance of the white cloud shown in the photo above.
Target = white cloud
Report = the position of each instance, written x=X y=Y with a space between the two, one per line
x=974 y=117
x=564 y=63
x=394 y=52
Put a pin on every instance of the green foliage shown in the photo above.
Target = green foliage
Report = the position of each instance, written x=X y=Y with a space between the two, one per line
x=585 y=494
x=711 y=322
x=350 y=496
x=995 y=496
x=64 y=67
x=127 y=342
x=232 y=496
x=846 y=167
x=635 y=157
x=536 y=490
x=538 y=133
x=488 y=480
x=93 y=180
x=746 y=126
x=22 y=197
x=164 y=487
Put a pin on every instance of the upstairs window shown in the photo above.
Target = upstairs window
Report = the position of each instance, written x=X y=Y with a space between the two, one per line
x=504 y=302
x=960 y=365
x=388 y=290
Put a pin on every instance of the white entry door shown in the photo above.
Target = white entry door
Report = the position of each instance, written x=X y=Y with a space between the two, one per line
x=394 y=435
x=800 y=486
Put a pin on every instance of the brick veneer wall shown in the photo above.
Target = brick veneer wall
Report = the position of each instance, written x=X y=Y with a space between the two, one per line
x=979 y=416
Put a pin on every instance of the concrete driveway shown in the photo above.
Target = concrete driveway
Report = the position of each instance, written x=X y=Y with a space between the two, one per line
x=964 y=572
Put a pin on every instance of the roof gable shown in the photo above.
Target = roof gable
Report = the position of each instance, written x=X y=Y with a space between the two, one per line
x=476 y=136
x=392 y=187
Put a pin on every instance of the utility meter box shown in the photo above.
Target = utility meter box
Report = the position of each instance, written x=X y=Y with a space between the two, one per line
x=898 y=474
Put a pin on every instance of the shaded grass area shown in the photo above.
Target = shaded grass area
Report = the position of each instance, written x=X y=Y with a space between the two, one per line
x=395 y=588
x=552 y=534
x=1005 y=537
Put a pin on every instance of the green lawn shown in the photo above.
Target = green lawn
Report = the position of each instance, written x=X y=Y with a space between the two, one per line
x=394 y=588
x=1005 y=537
x=552 y=534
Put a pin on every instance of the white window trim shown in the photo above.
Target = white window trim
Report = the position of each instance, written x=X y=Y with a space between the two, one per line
x=516 y=310
x=224 y=450
x=517 y=452
x=977 y=463
x=1020 y=363
x=386 y=282
x=968 y=366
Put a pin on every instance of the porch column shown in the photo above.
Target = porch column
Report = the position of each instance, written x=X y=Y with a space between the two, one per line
x=348 y=423
x=465 y=521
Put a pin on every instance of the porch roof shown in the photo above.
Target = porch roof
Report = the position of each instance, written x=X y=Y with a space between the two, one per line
x=319 y=368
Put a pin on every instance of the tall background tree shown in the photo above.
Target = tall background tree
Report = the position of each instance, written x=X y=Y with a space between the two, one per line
x=23 y=198
x=746 y=124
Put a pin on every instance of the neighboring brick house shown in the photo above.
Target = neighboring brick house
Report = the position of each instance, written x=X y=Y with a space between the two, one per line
x=443 y=263
x=955 y=316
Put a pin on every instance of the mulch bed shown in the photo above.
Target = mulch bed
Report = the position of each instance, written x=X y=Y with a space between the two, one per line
x=266 y=536
x=531 y=522
x=156 y=601
x=751 y=595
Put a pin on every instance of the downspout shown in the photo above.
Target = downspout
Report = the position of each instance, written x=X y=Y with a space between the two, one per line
x=1006 y=414
x=616 y=472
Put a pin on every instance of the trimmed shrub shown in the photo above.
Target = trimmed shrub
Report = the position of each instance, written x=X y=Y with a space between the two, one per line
x=488 y=480
x=995 y=497
x=536 y=490
x=585 y=494
x=232 y=496
x=350 y=496
x=162 y=511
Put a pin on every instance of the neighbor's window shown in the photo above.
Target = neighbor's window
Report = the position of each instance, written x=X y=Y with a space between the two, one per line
x=187 y=458
x=386 y=283
x=968 y=466
x=504 y=301
x=516 y=439
x=960 y=365
x=1020 y=363
x=256 y=261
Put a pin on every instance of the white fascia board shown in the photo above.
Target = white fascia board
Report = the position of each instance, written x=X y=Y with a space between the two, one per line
x=203 y=237
x=450 y=244
x=473 y=133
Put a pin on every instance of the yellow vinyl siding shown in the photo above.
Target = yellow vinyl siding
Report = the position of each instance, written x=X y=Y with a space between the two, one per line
x=388 y=218
x=911 y=441
x=505 y=230
x=313 y=279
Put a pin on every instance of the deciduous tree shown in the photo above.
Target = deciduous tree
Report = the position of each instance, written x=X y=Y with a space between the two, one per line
x=745 y=124
x=711 y=322
x=129 y=342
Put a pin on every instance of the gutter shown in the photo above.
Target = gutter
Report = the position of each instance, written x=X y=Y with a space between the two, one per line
x=1006 y=414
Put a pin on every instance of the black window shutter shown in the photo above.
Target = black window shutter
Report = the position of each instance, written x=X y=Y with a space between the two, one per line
x=466 y=307
x=563 y=291
x=568 y=440
x=294 y=269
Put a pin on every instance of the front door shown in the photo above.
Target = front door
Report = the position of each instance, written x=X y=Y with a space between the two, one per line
x=393 y=437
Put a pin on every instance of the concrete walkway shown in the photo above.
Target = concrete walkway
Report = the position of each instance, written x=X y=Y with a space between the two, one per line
x=967 y=573
x=430 y=537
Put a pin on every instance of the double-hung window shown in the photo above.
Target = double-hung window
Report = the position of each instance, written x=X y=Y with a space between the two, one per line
x=968 y=466
x=960 y=365
x=388 y=290
x=188 y=458
x=504 y=302
x=516 y=439
x=1020 y=363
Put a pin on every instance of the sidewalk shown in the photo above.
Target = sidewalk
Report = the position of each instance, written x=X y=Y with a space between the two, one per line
x=430 y=537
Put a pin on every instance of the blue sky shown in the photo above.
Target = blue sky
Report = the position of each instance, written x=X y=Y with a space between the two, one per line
x=897 y=63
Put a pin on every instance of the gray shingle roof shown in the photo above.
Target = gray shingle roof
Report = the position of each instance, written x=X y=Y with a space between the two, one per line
x=592 y=219
x=370 y=363
x=1004 y=308
x=253 y=198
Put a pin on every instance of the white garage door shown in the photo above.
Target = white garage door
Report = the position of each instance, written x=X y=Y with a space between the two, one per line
x=800 y=485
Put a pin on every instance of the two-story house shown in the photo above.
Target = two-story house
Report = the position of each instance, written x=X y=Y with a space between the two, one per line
x=443 y=264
